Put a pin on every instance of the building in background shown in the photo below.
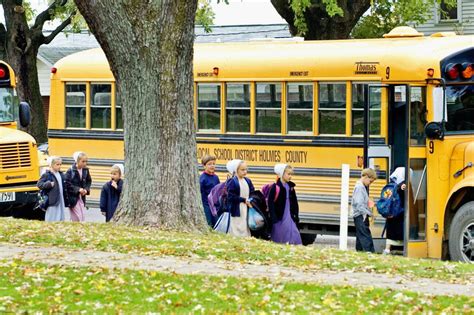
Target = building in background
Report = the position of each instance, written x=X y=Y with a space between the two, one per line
x=459 y=19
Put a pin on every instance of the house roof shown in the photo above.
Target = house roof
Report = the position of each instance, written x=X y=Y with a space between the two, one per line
x=65 y=44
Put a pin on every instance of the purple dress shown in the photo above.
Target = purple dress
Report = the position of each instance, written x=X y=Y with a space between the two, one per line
x=285 y=230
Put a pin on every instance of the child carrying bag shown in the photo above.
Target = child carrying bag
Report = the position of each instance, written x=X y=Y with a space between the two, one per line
x=223 y=223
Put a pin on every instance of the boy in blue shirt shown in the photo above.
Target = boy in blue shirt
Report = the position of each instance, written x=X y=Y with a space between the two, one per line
x=207 y=181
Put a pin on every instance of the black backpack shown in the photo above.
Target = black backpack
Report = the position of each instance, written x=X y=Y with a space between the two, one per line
x=43 y=198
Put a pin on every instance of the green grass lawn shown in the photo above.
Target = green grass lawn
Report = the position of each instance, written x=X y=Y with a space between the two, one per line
x=212 y=246
x=31 y=287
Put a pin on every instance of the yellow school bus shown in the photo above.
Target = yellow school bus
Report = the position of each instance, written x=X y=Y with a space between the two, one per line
x=19 y=167
x=316 y=105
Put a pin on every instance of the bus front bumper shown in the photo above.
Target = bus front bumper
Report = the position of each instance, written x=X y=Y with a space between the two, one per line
x=12 y=198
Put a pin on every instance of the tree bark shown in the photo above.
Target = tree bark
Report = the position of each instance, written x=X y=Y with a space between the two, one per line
x=149 y=45
x=320 y=24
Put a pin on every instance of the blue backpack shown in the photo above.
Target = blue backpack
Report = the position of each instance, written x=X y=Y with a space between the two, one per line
x=389 y=204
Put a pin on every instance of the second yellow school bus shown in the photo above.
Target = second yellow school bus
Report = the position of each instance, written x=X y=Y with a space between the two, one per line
x=316 y=105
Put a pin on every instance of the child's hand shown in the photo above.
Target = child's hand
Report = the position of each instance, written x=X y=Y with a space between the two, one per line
x=114 y=184
x=403 y=187
x=371 y=203
x=82 y=191
x=248 y=203
x=52 y=184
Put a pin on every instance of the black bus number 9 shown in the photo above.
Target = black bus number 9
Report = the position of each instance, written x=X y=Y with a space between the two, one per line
x=431 y=147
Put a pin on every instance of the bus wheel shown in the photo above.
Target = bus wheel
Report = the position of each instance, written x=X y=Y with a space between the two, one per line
x=308 y=239
x=461 y=234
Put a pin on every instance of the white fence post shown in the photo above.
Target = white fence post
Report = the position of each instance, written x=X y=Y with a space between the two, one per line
x=344 y=207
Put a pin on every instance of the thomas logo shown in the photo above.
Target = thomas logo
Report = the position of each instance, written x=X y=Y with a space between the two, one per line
x=366 y=67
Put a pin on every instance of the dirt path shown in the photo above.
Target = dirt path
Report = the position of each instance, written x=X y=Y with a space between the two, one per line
x=54 y=255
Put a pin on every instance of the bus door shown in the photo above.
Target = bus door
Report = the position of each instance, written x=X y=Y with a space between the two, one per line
x=377 y=150
x=392 y=152
x=416 y=194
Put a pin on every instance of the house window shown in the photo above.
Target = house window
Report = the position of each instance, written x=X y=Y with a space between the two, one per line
x=209 y=107
x=448 y=12
x=76 y=105
x=268 y=106
x=332 y=108
x=238 y=107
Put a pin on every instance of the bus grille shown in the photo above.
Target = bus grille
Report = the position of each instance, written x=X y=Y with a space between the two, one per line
x=15 y=155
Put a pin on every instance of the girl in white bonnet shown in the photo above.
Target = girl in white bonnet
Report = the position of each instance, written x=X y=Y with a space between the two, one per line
x=238 y=191
x=283 y=207
x=110 y=194
x=53 y=183
x=78 y=185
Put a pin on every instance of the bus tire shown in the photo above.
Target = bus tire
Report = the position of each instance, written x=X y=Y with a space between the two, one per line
x=307 y=239
x=461 y=234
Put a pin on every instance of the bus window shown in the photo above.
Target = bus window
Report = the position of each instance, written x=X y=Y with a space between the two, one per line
x=118 y=112
x=417 y=115
x=7 y=106
x=75 y=105
x=268 y=107
x=209 y=107
x=460 y=99
x=417 y=200
x=300 y=107
x=238 y=107
x=332 y=108
x=358 y=101
x=101 y=106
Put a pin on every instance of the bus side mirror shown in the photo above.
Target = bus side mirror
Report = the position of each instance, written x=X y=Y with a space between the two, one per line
x=434 y=130
x=25 y=114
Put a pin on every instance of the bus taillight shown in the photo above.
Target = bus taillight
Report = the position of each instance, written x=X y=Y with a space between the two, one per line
x=3 y=73
x=453 y=71
x=467 y=72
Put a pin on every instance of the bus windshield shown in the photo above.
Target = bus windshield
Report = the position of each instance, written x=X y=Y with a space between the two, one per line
x=460 y=99
x=7 y=108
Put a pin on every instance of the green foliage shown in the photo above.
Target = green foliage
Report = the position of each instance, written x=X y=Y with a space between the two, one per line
x=299 y=7
x=205 y=15
x=387 y=14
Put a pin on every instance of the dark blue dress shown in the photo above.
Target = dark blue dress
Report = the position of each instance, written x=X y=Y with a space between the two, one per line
x=109 y=199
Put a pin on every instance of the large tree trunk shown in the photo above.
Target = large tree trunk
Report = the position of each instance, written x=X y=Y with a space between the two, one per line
x=22 y=49
x=149 y=45
x=320 y=24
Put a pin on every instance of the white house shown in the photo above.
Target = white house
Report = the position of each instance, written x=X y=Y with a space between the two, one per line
x=459 y=19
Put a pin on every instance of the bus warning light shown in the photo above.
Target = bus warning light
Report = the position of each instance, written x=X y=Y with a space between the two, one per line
x=3 y=73
x=453 y=71
x=467 y=72
x=54 y=70
x=430 y=72
x=215 y=71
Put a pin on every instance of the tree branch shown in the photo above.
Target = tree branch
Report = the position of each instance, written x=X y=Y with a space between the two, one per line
x=58 y=30
x=47 y=15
